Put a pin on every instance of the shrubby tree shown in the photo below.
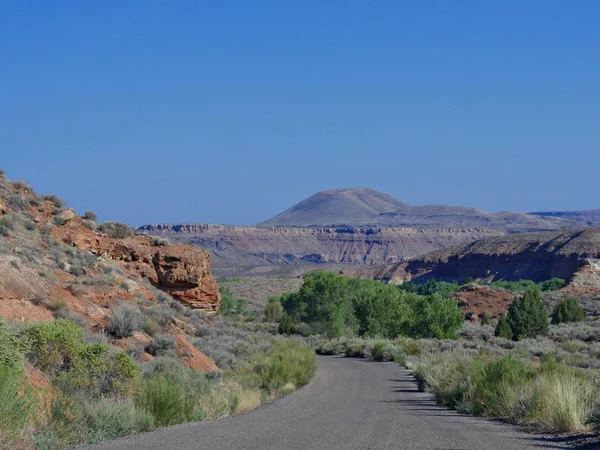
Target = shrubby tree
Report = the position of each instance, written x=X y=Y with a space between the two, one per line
x=435 y=317
x=286 y=325
x=567 y=310
x=527 y=316
x=503 y=328
x=273 y=310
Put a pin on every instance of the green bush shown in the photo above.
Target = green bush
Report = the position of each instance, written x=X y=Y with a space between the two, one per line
x=286 y=366
x=273 y=310
x=567 y=310
x=286 y=325
x=231 y=305
x=553 y=284
x=527 y=316
x=171 y=392
x=100 y=370
x=124 y=320
x=53 y=345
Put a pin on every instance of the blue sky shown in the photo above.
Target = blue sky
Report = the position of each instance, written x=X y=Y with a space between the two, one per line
x=229 y=112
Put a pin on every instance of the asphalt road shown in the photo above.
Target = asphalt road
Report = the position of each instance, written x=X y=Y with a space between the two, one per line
x=350 y=404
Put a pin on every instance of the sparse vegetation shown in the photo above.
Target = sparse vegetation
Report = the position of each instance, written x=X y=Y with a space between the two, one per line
x=124 y=320
x=90 y=215
x=115 y=230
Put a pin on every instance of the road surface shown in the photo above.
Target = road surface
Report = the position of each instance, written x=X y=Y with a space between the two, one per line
x=350 y=404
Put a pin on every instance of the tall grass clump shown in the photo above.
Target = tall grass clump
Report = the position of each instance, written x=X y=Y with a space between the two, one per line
x=17 y=406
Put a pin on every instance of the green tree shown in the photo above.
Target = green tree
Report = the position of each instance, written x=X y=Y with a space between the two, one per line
x=435 y=317
x=567 y=310
x=503 y=328
x=527 y=316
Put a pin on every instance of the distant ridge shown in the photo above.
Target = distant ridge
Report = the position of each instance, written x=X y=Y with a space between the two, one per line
x=590 y=217
x=368 y=207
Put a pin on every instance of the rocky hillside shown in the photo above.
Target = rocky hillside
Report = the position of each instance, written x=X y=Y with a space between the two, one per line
x=54 y=263
x=278 y=250
x=533 y=256
x=588 y=218
x=367 y=207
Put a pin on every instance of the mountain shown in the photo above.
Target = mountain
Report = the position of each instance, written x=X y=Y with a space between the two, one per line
x=533 y=256
x=338 y=207
x=367 y=207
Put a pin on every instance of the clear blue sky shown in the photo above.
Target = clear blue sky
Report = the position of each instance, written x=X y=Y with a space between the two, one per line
x=229 y=112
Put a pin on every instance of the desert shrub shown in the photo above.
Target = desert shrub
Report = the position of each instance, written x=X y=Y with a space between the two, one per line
x=12 y=349
x=115 y=230
x=273 y=310
x=150 y=326
x=171 y=392
x=124 y=320
x=476 y=331
x=503 y=328
x=527 y=316
x=158 y=241
x=22 y=185
x=17 y=201
x=59 y=203
x=564 y=400
x=90 y=215
x=383 y=351
x=286 y=324
x=100 y=370
x=286 y=366
x=53 y=345
x=567 y=310
x=161 y=344
x=17 y=405
x=6 y=224
x=231 y=305
x=498 y=388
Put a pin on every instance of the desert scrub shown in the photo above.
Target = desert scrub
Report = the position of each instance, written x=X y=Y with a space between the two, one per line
x=18 y=403
x=553 y=396
x=286 y=366
x=124 y=320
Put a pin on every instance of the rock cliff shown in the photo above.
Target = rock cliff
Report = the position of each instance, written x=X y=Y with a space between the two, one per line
x=533 y=256
x=237 y=250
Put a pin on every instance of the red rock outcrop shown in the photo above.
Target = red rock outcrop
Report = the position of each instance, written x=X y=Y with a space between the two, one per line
x=183 y=271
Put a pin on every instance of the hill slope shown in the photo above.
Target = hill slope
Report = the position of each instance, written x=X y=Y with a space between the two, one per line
x=367 y=207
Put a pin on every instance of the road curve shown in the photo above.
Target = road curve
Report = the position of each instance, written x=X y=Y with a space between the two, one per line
x=350 y=404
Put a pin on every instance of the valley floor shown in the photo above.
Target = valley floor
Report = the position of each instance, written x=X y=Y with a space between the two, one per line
x=350 y=404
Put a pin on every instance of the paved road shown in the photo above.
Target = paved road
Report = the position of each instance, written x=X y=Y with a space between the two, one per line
x=350 y=404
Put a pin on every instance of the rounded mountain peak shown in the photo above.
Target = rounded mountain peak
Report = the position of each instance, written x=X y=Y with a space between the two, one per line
x=350 y=206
